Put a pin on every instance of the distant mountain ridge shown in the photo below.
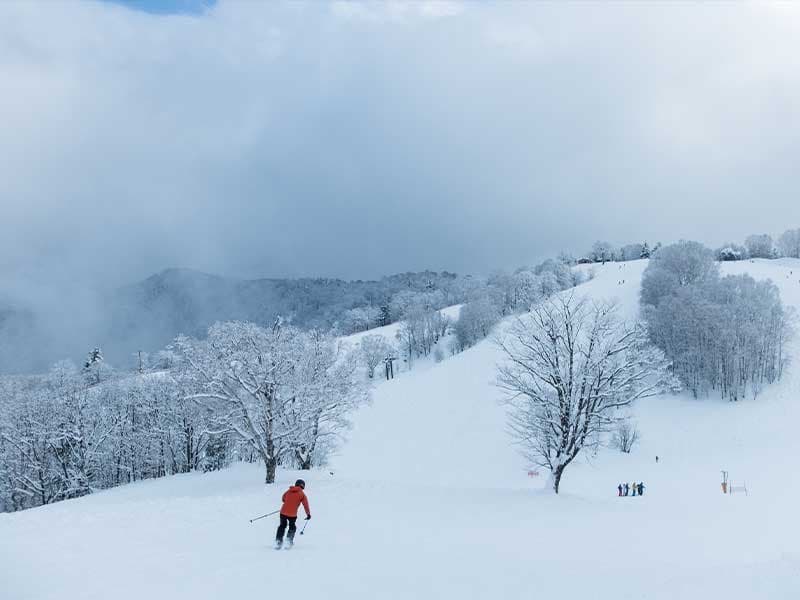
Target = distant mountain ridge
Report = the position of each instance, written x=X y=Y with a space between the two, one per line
x=148 y=314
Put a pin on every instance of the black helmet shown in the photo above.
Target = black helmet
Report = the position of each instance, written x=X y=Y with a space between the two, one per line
x=300 y=483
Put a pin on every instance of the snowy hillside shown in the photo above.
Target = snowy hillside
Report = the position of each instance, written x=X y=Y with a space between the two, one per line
x=390 y=331
x=429 y=499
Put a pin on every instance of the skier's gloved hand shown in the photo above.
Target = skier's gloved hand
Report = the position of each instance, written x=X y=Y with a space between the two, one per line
x=308 y=517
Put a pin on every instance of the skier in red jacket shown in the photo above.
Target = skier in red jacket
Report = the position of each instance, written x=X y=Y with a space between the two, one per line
x=292 y=498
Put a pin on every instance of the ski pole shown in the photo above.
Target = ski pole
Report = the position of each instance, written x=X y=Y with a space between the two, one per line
x=266 y=515
x=302 y=531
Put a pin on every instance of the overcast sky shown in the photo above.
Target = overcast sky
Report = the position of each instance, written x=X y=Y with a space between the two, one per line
x=268 y=139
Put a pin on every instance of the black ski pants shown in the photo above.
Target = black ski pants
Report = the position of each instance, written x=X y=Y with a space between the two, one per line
x=291 y=521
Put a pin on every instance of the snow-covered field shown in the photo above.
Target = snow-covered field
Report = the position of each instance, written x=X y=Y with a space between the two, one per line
x=429 y=499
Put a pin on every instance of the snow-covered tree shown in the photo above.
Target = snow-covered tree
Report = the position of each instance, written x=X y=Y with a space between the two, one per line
x=280 y=390
x=630 y=252
x=420 y=331
x=407 y=302
x=361 y=318
x=625 y=437
x=789 y=243
x=603 y=252
x=28 y=466
x=731 y=252
x=475 y=322
x=547 y=285
x=95 y=367
x=166 y=359
x=527 y=289
x=502 y=285
x=386 y=314
x=760 y=246
x=564 y=276
x=566 y=258
x=722 y=334
x=327 y=389
x=675 y=266
x=78 y=432
x=571 y=367
x=244 y=373
x=374 y=349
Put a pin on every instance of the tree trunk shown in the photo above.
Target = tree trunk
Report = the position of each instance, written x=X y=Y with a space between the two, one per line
x=556 y=476
x=303 y=457
x=306 y=464
x=272 y=466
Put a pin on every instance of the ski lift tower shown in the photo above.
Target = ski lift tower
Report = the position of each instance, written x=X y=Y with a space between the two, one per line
x=389 y=364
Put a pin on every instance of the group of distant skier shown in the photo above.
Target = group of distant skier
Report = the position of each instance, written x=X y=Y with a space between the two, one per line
x=632 y=489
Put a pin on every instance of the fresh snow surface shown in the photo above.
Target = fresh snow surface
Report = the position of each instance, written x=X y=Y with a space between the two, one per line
x=429 y=499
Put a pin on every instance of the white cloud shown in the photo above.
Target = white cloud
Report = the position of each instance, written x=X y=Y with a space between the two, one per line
x=288 y=138
x=396 y=10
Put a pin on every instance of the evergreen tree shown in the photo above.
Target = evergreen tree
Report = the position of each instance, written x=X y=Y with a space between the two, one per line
x=93 y=366
x=386 y=315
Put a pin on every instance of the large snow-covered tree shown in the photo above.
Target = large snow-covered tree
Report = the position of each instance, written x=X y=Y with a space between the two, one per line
x=326 y=389
x=675 y=266
x=571 y=366
x=280 y=390
x=244 y=374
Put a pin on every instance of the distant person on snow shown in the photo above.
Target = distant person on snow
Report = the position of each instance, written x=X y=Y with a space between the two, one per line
x=641 y=489
x=619 y=489
x=633 y=487
x=656 y=458
x=625 y=489
x=292 y=498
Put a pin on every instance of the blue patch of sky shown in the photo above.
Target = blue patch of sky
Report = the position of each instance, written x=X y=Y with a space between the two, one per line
x=167 y=7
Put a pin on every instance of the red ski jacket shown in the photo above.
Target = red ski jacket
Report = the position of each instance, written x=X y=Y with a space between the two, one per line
x=292 y=498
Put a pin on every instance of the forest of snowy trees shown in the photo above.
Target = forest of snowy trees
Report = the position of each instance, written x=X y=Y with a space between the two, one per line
x=722 y=334
x=506 y=294
x=761 y=245
x=277 y=395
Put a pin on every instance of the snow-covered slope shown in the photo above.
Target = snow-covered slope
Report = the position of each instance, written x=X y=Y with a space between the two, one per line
x=390 y=331
x=429 y=499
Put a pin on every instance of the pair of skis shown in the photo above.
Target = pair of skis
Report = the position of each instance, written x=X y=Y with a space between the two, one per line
x=290 y=543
